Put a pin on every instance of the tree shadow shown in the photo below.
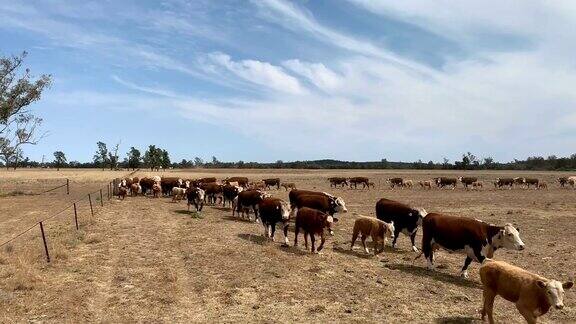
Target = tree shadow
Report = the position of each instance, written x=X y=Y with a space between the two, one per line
x=457 y=320
x=436 y=275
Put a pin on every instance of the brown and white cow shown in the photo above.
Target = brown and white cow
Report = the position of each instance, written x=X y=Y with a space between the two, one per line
x=246 y=200
x=476 y=239
x=156 y=190
x=242 y=181
x=426 y=184
x=354 y=181
x=542 y=185
x=467 y=181
x=395 y=182
x=338 y=181
x=311 y=222
x=178 y=194
x=168 y=183
x=406 y=219
x=503 y=182
x=442 y=182
x=213 y=192
x=272 y=211
x=531 y=181
x=532 y=294
x=229 y=192
x=195 y=196
x=272 y=182
x=407 y=183
x=288 y=185
x=318 y=200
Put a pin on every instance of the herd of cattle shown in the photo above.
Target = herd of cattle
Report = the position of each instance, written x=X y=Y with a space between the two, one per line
x=446 y=182
x=315 y=213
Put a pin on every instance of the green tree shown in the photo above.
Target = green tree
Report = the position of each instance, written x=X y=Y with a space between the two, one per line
x=18 y=89
x=198 y=162
x=165 y=159
x=59 y=159
x=153 y=157
x=113 y=157
x=134 y=158
x=101 y=156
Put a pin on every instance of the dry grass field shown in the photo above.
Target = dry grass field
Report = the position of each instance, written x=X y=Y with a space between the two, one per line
x=148 y=260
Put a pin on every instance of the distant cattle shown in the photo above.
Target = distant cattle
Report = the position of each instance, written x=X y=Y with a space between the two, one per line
x=371 y=184
x=378 y=230
x=407 y=183
x=477 y=185
x=312 y=222
x=242 y=181
x=249 y=199
x=442 y=182
x=338 y=181
x=532 y=294
x=426 y=184
x=195 y=196
x=271 y=212
x=354 y=181
x=288 y=185
x=572 y=181
x=406 y=219
x=519 y=181
x=475 y=238
x=395 y=182
x=272 y=182
x=563 y=181
x=542 y=185
x=531 y=181
x=503 y=182
x=257 y=185
x=467 y=181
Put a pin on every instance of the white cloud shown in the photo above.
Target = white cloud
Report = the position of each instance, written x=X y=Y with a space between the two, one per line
x=317 y=73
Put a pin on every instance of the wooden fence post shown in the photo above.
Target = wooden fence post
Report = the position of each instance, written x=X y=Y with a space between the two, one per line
x=67 y=186
x=75 y=216
x=101 y=199
x=44 y=240
x=108 y=192
x=90 y=200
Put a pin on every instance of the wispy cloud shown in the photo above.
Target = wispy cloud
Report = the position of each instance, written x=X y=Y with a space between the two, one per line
x=316 y=73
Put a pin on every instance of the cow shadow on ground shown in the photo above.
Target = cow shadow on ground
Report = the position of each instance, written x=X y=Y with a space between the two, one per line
x=436 y=275
x=254 y=238
x=457 y=320
x=239 y=219
x=261 y=240
x=359 y=253
x=191 y=213
x=228 y=209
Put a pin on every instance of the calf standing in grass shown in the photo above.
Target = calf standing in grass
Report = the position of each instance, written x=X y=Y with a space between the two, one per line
x=532 y=294
x=312 y=222
x=195 y=196
x=378 y=230
x=156 y=190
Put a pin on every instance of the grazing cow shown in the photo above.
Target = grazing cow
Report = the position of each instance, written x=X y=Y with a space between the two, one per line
x=407 y=184
x=229 y=192
x=213 y=192
x=395 y=182
x=426 y=184
x=156 y=190
x=378 y=230
x=195 y=196
x=531 y=181
x=135 y=189
x=312 y=222
x=354 y=181
x=272 y=182
x=317 y=200
x=467 y=181
x=477 y=239
x=242 y=181
x=146 y=184
x=563 y=181
x=477 y=185
x=542 y=185
x=519 y=181
x=288 y=185
x=532 y=294
x=178 y=194
x=272 y=211
x=502 y=182
x=249 y=199
x=442 y=182
x=122 y=192
x=335 y=181
x=406 y=219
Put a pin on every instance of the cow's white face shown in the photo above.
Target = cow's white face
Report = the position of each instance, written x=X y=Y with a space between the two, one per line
x=340 y=205
x=391 y=230
x=201 y=194
x=285 y=210
x=187 y=183
x=239 y=189
x=511 y=238
x=329 y=222
x=555 y=291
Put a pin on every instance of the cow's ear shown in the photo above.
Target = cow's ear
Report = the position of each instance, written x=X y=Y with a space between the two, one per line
x=541 y=284
x=567 y=285
x=518 y=229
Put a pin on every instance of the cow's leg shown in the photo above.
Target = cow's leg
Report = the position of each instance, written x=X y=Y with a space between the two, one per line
x=272 y=230
x=265 y=229
x=428 y=250
x=296 y=231
x=464 y=271
x=413 y=240
x=322 y=240
x=306 y=240
x=396 y=234
x=488 y=304
x=354 y=237
x=313 y=241
x=286 y=233
x=526 y=313
x=363 y=238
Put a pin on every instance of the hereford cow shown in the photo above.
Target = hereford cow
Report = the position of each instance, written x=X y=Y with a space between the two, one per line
x=135 y=189
x=242 y=181
x=477 y=239
x=407 y=183
x=249 y=199
x=312 y=222
x=378 y=230
x=519 y=181
x=213 y=192
x=272 y=211
x=178 y=194
x=406 y=219
x=572 y=181
x=195 y=196
x=395 y=182
x=371 y=184
x=146 y=184
x=467 y=181
x=477 y=185
x=531 y=181
x=229 y=192
x=427 y=184
x=532 y=294
x=563 y=181
x=288 y=185
x=502 y=182
x=317 y=200
x=156 y=190
x=257 y=185
x=542 y=185
x=272 y=182
x=335 y=181
x=354 y=181
x=442 y=182
x=122 y=192
x=168 y=183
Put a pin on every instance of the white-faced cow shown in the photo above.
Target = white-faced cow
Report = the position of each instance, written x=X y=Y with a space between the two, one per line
x=311 y=222
x=395 y=182
x=322 y=201
x=467 y=181
x=229 y=192
x=406 y=219
x=272 y=211
x=354 y=181
x=475 y=238
x=195 y=196
x=249 y=199
x=272 y=182
x=442 y=182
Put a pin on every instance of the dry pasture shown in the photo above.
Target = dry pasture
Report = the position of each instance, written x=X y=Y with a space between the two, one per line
x=148 y=260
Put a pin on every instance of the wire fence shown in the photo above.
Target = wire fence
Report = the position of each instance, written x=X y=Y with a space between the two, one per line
x=93 y=197
x=32 y=188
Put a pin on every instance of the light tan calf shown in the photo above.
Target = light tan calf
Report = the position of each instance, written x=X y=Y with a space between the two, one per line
x=407 y=184
x=542 y=185
x=288 y=185
x=377 y=229
x=427 y=184
x=532 y=294
x=156 y=190
x=178 y=194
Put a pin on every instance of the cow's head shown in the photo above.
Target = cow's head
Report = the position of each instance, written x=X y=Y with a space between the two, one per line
x=390 y=229
x=339 y=205
x=187 y=184
x=459 y=178
x=284 y=210
x=122 y=183
x=200 y=193
x=554 y=291
x=328 y=224
x=510 y=238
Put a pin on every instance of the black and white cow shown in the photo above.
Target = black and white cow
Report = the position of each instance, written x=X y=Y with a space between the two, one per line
x=406 y=219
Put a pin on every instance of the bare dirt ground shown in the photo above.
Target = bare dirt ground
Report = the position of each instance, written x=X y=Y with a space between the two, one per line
x=148 y=260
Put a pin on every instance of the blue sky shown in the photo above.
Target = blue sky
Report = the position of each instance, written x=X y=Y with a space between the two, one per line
x=268 y=80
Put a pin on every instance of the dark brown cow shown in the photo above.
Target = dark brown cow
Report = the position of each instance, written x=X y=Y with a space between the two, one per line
x=442 y=182
x=272 y=211
x=288 y=185
x=122 y=192
x=312 y=222
x=242 y=181
x=195 y=196
x=395 y=182
x=146 y=184
x=502 y=182
x=168 y=183
x=272 y=182
x=317 y=200
x=531 y=181
x=354 y=181
x=248 y=199
x=563 y=181
x=229 y=192
x=297 y=192
x=467 y=181
x=475 y=238
x=335 y=181
x=213 y=192
x=406 y=219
